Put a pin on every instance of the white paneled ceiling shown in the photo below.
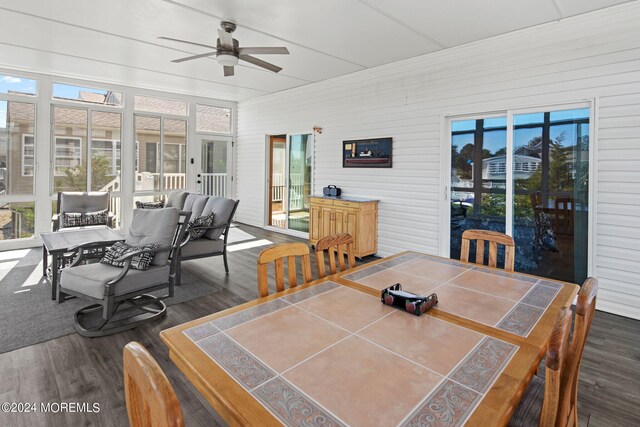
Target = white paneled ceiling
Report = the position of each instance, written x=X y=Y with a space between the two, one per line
x=117 y=40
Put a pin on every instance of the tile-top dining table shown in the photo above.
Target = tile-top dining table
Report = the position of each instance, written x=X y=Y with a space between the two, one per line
x=330 y=353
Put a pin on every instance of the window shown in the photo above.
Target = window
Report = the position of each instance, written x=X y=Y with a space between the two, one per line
x=105 y=151
x=213 y=119
x=68 y=155
x=152 y=104
x=86 y=95
x=27 y=155
x=17 y=156
x=110 y=151
x=17 y=85
x=174 y=158
x=161 y=160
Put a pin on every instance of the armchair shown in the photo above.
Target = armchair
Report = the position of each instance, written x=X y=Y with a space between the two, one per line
x=109 y=287
x=81 y=203
x=214 y=240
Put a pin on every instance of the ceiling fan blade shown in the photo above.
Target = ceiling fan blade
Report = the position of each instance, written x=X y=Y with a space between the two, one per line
x=187 y=42
x=263 y=50
x=260 y=63
x=228 y=71
x=189 y=58
x=226 y=39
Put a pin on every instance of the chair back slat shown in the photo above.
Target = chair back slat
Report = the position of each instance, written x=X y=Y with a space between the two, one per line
x=151 y=401
x=277 y=254
x=480 y=252
x=584 y=311
x=291 y=268
x=556 y=354
x=335 y=245
x=279 y=274
x=563 y=219
x=494 y=238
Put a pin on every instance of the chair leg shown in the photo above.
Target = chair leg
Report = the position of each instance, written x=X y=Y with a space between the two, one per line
x=226 y=264
x=178 y=275
x=90 y=322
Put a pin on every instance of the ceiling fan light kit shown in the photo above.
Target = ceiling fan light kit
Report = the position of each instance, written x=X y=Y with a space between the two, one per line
x=227 y=59
x=228 y=51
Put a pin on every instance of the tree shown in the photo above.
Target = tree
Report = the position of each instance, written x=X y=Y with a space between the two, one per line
x=75 y=178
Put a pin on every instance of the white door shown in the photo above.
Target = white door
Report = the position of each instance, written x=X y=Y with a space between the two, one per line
x=215 y=177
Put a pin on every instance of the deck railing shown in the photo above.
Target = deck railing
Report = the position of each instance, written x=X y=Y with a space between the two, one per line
x=145 y=181
x=214 y=184
x=298 y=193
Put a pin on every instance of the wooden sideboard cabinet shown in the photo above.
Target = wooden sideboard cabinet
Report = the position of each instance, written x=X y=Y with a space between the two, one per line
x=358 y=217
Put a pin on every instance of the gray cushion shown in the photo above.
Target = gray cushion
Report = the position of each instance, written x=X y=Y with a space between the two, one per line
x=176 y=199
x=71 y=201
x=201 y=247
x=222 y=208
x=90 y=279
x=195 y=204
x=153 y=226
x=528 y=411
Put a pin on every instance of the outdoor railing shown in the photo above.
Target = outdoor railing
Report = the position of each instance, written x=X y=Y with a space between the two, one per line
x=297 y=193
x=214 y=184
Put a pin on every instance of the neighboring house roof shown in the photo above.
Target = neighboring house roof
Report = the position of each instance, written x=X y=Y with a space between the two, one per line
x=529 y=150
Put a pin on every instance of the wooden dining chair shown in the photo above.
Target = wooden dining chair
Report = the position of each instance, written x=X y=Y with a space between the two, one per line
x=335 y=244
x=151 y=401
x=494 y=238
x=563 y=215
x=277 y=253
x=552 y=401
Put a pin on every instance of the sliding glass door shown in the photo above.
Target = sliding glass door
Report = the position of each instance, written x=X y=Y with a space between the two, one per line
x=290 y=181
x=530 y=180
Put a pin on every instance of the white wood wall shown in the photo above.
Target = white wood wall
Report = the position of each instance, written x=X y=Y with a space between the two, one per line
x=593 y=56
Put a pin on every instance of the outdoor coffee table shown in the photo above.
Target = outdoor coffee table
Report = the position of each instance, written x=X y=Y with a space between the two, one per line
x=57 y=243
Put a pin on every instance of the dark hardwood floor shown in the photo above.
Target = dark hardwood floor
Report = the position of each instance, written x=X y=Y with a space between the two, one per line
x=77 y=369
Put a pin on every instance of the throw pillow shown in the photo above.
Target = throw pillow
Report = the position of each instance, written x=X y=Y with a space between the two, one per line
x=150 y=205
x=201 y=221
x=138 y=262
x=72 y=219
x=95 y=218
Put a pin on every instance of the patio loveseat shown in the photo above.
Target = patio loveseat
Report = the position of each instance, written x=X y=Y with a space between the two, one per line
x=214 y=240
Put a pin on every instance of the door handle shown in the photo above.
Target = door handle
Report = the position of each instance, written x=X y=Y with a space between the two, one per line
x=198 y=182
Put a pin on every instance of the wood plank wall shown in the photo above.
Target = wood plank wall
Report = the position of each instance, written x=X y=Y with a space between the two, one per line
x=592 y=56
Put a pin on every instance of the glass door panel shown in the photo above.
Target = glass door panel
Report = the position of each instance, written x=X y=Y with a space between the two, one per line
x=550 y=176
x=299 y=182
x=478 y=178
x=277 y=190
x=549 y=192
x=215 y=173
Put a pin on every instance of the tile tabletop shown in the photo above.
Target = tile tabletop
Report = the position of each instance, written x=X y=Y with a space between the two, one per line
x=507 y=301
x=330 y=353
x=334 y=355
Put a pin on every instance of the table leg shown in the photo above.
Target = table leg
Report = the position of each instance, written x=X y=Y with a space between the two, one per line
x=54 y=277
x=45 y=261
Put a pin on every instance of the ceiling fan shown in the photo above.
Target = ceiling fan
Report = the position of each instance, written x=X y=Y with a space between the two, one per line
x=228 y=51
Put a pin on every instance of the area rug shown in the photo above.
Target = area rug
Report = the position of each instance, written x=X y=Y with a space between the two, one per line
x=29 y=316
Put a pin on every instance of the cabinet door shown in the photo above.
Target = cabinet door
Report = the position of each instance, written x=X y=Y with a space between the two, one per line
x=339 y=221
x=327 y=227
x=350 y=226
x=315 y=225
